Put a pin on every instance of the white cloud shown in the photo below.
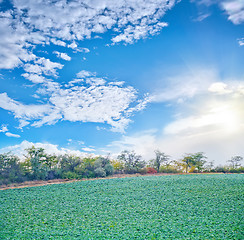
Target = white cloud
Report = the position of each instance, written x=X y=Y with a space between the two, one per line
x=85 y=50
x=133 y=33
x=43 y=66
x=22 y=111
x=35 y=78
x=62 y=23
x=241 y=41
x=235 y=10
x=73 y=45
x=185 y=85
x=58 y=42
x=93 y=100
x=87 y=149
x=229 y=87
x=8 y=134
x=218 y=132
x=20 y=149
x=4 y=128
x=211 y=121
x=202 y=17
x=63 y=55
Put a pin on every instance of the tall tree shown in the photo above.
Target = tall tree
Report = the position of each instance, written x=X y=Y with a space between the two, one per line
x=161 y=158
x=35 y=156
x=199 y=161
x=10 y=169
x=236 y=161
x=196 y=160
x=132 y=162
x=188 y=161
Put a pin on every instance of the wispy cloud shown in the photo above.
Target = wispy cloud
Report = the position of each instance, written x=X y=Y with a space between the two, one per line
x=202 y=17
x=184 y=85
x=241 y=41
x=8 y=134
x=210 y=120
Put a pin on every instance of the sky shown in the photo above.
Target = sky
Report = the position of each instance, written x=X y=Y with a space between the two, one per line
x=101 y=76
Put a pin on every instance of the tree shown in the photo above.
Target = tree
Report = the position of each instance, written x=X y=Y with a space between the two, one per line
x=132 y=162
x=199 y=161
x=103 y=167
x=188 y=161
x=68 y=163
x=196 y=160
x=10 y=169
x=34 y=157
x=161 y=158
x=39 y=164
x=235 y=161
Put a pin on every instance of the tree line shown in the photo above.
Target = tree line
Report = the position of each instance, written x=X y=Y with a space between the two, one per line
x=38 y=165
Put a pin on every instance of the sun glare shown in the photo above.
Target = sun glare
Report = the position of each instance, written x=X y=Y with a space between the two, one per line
x=227 y=117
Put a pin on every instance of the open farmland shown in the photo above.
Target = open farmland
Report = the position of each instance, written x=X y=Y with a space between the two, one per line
x=151 y=207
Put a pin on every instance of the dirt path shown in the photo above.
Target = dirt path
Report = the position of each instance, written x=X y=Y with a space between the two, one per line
x=59 y=181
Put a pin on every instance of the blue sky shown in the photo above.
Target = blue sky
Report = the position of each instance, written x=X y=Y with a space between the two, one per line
x=99 y=76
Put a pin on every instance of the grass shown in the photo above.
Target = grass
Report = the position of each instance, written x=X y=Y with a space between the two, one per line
x=150 y=207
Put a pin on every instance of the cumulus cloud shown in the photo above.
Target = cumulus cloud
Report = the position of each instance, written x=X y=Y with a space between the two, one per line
x=235 y=10
x=20 y=149
x=35 y=78
x=30 y=23
x=22 y=111
x=64 y=56
x=4 y=128
x=89 y=100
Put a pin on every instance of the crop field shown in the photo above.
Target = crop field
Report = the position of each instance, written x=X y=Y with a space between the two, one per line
x=150 y=207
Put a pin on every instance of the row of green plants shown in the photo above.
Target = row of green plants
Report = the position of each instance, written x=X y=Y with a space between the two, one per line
x=38 y=165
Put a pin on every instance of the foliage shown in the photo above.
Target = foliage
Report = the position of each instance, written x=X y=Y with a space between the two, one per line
x=194 y=160
x=161 y=158
x=152 y=207
x=10 y=169
x=117 y=165
x=68 y=163
x=236 y=161
x=103 y=167
x=39 y=165
x=170 y=169
x=132 y=163
x=151 y=170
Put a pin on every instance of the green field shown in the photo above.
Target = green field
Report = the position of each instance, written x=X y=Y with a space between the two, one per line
x=151 y=207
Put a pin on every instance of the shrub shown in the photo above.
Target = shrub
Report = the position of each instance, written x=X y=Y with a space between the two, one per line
x=100 y=172
x=151 y=170
x=70 y=175
x=163 y=169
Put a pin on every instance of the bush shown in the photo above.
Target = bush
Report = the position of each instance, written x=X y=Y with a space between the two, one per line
x=151 y=170
x=70 y=175
x=100 y=172
x=168 y=170
x=109 y=169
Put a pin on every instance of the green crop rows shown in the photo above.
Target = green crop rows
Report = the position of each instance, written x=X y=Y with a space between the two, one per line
x=160 y=207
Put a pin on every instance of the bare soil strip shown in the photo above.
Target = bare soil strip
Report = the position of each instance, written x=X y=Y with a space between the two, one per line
x=59 y=181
